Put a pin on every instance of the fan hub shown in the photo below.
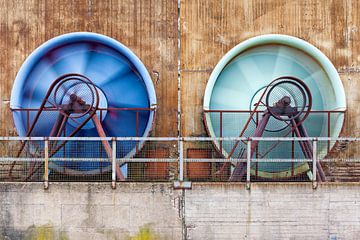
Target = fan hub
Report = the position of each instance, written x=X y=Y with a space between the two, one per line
x=79 y=106
x=284 y=102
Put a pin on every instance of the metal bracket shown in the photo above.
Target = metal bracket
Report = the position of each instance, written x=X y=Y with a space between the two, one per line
x=182 y=185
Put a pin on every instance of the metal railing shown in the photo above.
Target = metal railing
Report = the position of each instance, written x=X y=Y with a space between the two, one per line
x=179 y=159
x=134 y=113
x=222 y=118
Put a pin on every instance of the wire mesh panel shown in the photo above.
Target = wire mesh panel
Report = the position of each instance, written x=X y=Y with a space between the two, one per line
x=79 y=160
x=342 y=161
x=204 y=162
x=281 y=160
x=21 y=160
x=156 y=161
x=180 y=159
x=271 y=160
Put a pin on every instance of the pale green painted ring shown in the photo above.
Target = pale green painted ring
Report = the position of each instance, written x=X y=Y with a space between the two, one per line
x=284 y=40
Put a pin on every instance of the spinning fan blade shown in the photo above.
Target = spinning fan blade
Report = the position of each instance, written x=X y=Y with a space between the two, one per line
x=283 y=65
x=125 y=118
x=120 y=79
x=138 y=97
x=121 y=72
x=71 y=58
x=244 y=71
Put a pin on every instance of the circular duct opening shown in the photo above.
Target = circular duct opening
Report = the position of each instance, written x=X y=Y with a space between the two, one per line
x=240 y=78
x=126 y=94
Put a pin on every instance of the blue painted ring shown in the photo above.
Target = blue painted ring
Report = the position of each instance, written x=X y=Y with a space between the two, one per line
x=120 y=77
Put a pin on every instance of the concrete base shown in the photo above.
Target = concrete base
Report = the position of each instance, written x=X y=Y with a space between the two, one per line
x=158 y=211
x=89 y=211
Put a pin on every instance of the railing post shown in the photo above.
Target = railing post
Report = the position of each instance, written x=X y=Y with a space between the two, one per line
x=314 y=159
x=113 y=164
x=181 y=160
x=248 y=163
x=46 y=159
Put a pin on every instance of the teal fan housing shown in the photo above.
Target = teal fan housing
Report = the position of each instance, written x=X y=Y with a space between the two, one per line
x=241 y=76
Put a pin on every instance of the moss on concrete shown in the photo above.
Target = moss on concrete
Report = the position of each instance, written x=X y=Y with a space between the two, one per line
x=145 y=233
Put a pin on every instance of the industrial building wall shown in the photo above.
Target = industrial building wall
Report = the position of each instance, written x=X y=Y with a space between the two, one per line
x=157 y=211
x=147 y=27
x=207 y=32
x=208 y=29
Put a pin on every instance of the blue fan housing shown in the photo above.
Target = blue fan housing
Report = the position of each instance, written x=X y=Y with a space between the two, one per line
x=120 y=77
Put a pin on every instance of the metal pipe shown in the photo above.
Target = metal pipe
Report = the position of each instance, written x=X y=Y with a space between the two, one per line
x=248 y=163
x=314 y=156
x=181 y=161
x=190 y=139
x=46 y=167
x=113 y=164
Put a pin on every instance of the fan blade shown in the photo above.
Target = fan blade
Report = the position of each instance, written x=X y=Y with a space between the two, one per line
x=44 y=124
x=252 y=70
x=123 y=123
x=71 y=58
x=283 y=65
x=127 y=90
x=122 y=71
x=104 y=64
x=32 y=99
x=37 y=85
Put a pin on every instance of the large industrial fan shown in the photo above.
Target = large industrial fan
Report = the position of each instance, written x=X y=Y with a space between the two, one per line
x=83 y=84
x=288 y=101
x=248 y=95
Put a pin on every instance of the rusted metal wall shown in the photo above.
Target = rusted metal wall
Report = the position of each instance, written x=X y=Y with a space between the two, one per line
x=148 y=27
x=210 y=28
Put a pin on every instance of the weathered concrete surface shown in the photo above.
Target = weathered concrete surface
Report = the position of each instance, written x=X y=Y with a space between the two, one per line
x=273 y=211
x=156 y=211
x=89 y=211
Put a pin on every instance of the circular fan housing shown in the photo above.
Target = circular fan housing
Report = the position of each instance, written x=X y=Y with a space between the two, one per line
x=121 y=79
x=241 y=77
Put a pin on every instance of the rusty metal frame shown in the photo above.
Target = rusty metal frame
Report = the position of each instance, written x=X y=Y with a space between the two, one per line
x=219 y=148
x=59 y=126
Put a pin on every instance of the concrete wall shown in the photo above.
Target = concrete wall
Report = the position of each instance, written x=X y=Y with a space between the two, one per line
x=156 y=211
x=89 y=211
x=273 y=211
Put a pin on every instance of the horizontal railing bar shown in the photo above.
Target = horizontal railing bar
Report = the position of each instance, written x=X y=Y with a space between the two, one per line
x=192 y=139
x=99 y=109
x=280 y=160
x=154 y=108
x=117 y=159
x=333 y=160
x=14 y=159
x=244 y=160
x=260 y=111
x=89 y=138
x=350 y=139
x=140 y=160
x=214 y=160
